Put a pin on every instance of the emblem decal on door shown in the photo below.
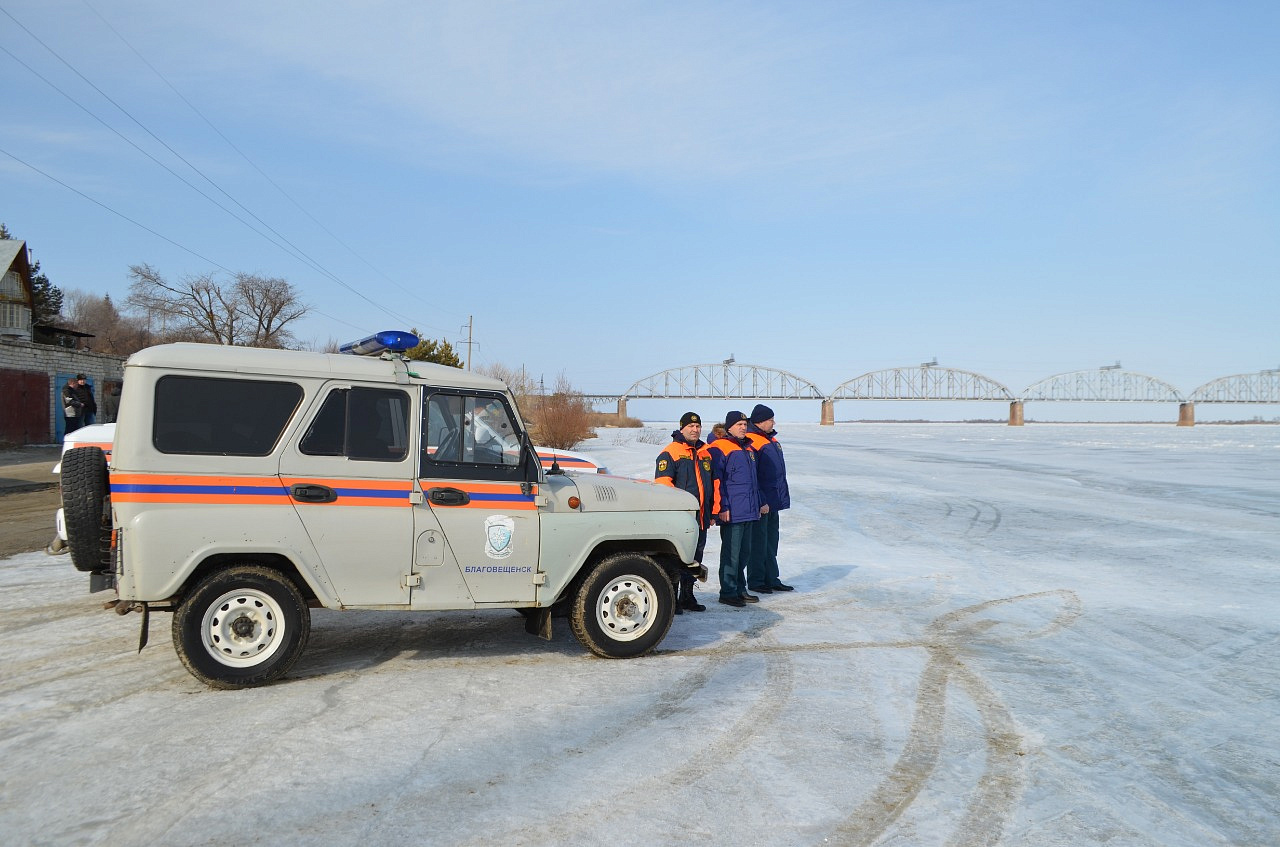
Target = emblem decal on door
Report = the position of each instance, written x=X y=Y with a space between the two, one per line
x=498 y=532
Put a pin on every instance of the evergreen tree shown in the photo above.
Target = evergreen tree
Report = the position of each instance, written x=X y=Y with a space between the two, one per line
x=428 y=350
x=46 y=298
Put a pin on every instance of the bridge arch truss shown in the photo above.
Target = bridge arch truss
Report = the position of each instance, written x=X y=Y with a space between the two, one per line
x=1262 y=387
x=724 y=381
x=929 y=381
x=925 y=382
x=1102 y=385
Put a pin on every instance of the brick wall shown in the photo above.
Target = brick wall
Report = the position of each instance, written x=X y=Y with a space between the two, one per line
x=26 y=417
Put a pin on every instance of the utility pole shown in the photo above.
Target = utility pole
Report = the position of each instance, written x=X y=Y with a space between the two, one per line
x=470 y=318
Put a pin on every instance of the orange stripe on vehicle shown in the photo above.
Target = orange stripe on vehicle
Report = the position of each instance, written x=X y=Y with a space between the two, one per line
x=192 y=479
x=240 y=490
x=281 y=499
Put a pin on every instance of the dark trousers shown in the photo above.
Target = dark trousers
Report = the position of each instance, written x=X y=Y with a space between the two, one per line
x=735 y=553
x=762 y=572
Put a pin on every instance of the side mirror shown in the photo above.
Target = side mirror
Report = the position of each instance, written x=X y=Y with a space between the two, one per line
x=533 y=467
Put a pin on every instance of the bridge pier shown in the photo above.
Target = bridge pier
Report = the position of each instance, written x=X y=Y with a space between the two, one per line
x=622 y=408
x=828 y=413
x=1015 y=413
x=1187 y=414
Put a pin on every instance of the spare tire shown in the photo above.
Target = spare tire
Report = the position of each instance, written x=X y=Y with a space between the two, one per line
x=86 y=508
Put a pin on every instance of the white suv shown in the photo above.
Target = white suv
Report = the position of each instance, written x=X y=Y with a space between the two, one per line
x=247 y=486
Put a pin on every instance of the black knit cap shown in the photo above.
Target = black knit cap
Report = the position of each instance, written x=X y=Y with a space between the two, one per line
x=733 y=417
x=688 y=418
x=761 y=413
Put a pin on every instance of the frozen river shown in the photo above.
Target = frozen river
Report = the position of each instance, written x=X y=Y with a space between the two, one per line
x=1049 y=635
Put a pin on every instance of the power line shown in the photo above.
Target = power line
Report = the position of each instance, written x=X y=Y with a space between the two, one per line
x=114 y=212
x=175 y=174
x=291 y=249
x=240 y=152
x=161 y=236
x=126 y=139
x=297 y=255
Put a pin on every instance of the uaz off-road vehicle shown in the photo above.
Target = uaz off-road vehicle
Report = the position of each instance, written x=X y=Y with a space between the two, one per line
x=248 y=486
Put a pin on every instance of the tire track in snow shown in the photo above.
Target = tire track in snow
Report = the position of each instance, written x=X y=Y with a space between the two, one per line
x=774 y=694
x=991 y=805
x=987 y=811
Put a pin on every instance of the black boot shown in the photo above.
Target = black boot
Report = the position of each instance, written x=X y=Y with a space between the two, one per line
x=687 y=600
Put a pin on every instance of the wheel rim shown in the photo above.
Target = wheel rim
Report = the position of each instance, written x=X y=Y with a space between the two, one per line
x=243 y=628
x=627 y=608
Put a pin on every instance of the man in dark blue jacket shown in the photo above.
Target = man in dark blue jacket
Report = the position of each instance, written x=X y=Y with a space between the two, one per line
x=762 y=571
x=736 y=495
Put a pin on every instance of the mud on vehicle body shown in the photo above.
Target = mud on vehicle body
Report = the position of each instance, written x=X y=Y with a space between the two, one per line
x=248 y=486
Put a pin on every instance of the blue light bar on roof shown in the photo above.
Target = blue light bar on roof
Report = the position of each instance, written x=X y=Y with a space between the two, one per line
x=393 y=340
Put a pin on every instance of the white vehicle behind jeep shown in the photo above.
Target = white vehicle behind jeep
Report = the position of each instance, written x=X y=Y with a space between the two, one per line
x=94 y=435
x=248 y=486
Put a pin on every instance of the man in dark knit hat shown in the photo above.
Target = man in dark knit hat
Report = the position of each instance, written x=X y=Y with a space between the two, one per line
x=737 y=505
x=686 y=464
x=78 y=405
x=771 y=470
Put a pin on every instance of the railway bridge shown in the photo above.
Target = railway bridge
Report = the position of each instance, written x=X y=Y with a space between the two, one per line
x=731 y=380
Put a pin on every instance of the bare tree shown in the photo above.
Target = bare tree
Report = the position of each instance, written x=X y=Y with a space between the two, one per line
x=252 y=311
x=522 y=386
x=561 y=419
x=194 y=308
x=112 y=332
x=271 y=304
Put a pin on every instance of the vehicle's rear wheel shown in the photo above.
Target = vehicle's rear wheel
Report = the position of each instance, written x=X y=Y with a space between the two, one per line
x=624 y=607
x=241 y=627
x=86 y=508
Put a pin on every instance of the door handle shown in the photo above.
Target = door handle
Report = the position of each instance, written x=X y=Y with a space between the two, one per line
x=306 y=493
x=448 y=497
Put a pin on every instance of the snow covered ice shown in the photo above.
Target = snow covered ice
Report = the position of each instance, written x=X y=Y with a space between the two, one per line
x=1048 y=635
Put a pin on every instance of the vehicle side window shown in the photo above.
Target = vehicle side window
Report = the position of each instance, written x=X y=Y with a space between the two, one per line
x=370 y=424
x=474 y=435
x=221 y=417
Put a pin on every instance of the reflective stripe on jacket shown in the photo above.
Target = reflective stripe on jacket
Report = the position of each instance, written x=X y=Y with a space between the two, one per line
x=687 y=467
x=771 y=469
x=733 y=475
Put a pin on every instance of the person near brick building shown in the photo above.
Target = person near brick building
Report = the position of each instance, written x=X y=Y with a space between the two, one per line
x=78 y=405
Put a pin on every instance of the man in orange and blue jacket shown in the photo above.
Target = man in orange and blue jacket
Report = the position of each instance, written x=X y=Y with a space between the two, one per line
x=771 y=470
x=738 y=507
x=686 y=464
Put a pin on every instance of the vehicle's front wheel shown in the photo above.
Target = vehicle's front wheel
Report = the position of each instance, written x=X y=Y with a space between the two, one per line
x=624 y=607
x=241 y=627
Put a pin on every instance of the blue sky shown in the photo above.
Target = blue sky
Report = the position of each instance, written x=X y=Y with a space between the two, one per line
x=612 y=189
